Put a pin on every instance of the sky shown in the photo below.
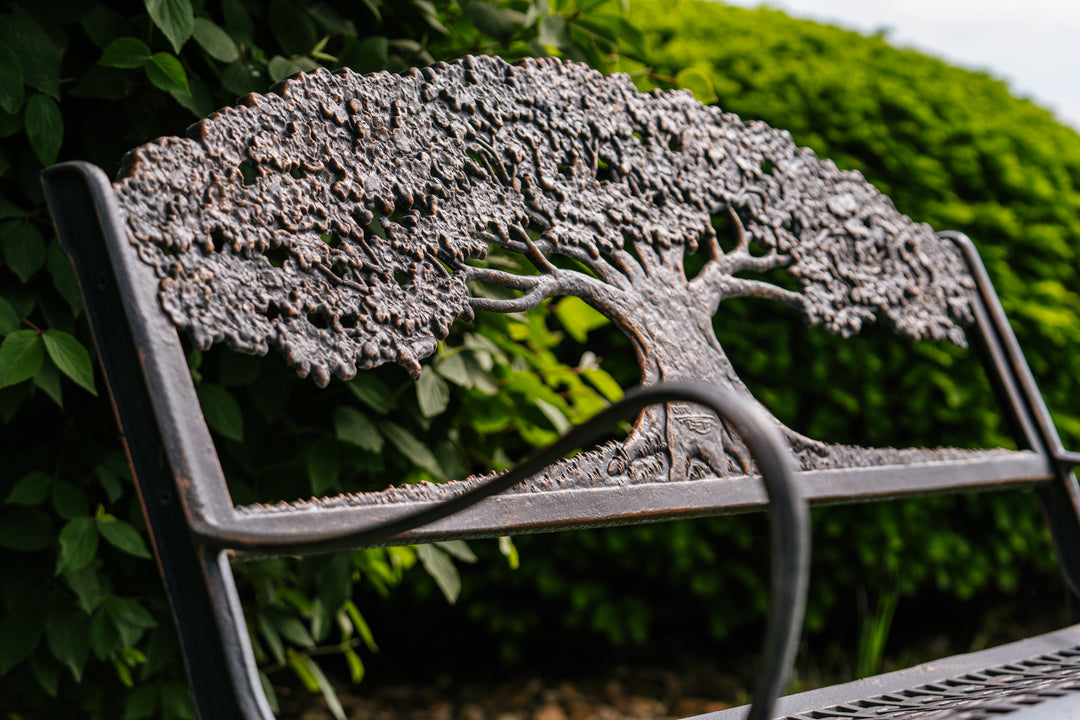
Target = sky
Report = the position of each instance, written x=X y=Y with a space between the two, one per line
x=1034 y=45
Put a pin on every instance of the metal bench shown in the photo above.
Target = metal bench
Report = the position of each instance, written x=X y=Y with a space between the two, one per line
x=338 y=221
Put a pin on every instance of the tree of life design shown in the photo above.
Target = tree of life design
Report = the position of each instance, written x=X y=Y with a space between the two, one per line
x=338 y=220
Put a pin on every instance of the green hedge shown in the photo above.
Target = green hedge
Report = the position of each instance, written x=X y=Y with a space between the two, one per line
x=953 y=148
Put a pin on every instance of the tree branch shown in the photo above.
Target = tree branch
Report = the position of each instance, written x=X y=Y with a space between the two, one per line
x=744 y=287
x=595 y=264
x=537 y=288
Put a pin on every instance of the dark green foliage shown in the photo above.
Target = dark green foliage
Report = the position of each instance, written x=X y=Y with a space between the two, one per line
x=953 y=148
x=86 y=629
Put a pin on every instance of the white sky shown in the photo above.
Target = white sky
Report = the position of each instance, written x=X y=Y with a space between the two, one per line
x=1034 y=45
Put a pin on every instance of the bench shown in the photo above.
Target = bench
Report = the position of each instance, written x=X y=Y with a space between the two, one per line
x=339 y=221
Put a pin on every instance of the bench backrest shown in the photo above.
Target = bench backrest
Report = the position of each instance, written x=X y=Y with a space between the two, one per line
x=335 y=222
x=339 y=220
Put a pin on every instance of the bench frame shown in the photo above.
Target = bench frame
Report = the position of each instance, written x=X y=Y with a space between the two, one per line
x=196 y=529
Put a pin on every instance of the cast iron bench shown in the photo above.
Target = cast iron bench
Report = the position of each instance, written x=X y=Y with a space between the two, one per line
x=337 y=221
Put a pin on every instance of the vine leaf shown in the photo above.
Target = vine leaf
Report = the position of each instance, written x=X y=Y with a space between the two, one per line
x=11 y=81
x=9 y=319
x=24 y=249
x=166 y=72
x=32 y=489
x=175 y=18
x=78 y=544
x=125 y=52
x=441 y=568
x=121 y=535
x=215 y=41
x=71 y=357
x=21 y=356
x=44 y=127
x=221 y=411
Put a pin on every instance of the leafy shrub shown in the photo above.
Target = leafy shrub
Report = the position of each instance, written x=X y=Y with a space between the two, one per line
x=953 y=148
x=87 y=630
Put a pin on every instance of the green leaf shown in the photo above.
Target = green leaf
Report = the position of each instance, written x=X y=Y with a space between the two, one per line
x=9 y=318
x=176 y=702
x=553 y=31
x=68 y=500
x=699 y=83
x=166 y=72
x=441 y=568
x=9 y=209
x=509 y=551
x=371 y=391
x=27 y=530
x=432 y=393
x=294 y=631
x=331 y=20
x=142 y=702
x=353 y=427
x=273 y=639
x=22 y=631
x=215 y=41
x=603 y=382
x=281 y=68
x=103 y=25
x=122 y=536
x=38 y=55
x=198 y=98
x=414 y=450
x=63 y=277
x=86 y=585
x=9 y=125
x=459 y=549
x=356 y=665
x=323 y=467
x=238 y=20
x=11 y=80
x=367 y=55
x=110 y=483
x=129 y=617
x=333 y=704
x=221 y=411
x=125 y=52
x=46 y=672
x=24 y=247
x=21 y=355
x=497 y=22
x=103 y=635
x=454 y=369
x=44 y=127
x=48 y=379
x=578 y=318
x=554 y=415
x=175 y=18
x=71 y=357
x=68 y=636
x=78 y=544
x=293 y=28
x=32 y=489
x=361 y=626
x=243 y=77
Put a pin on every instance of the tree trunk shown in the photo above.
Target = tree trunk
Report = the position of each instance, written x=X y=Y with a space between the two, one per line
x=674 y=340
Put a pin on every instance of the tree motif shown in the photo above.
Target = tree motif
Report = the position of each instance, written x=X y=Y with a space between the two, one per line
x=336 y=220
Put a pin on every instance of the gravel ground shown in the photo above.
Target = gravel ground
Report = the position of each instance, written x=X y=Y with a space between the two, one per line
x=639 y=693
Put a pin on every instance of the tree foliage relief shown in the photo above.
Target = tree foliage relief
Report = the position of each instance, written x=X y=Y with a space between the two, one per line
x=365 y=198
